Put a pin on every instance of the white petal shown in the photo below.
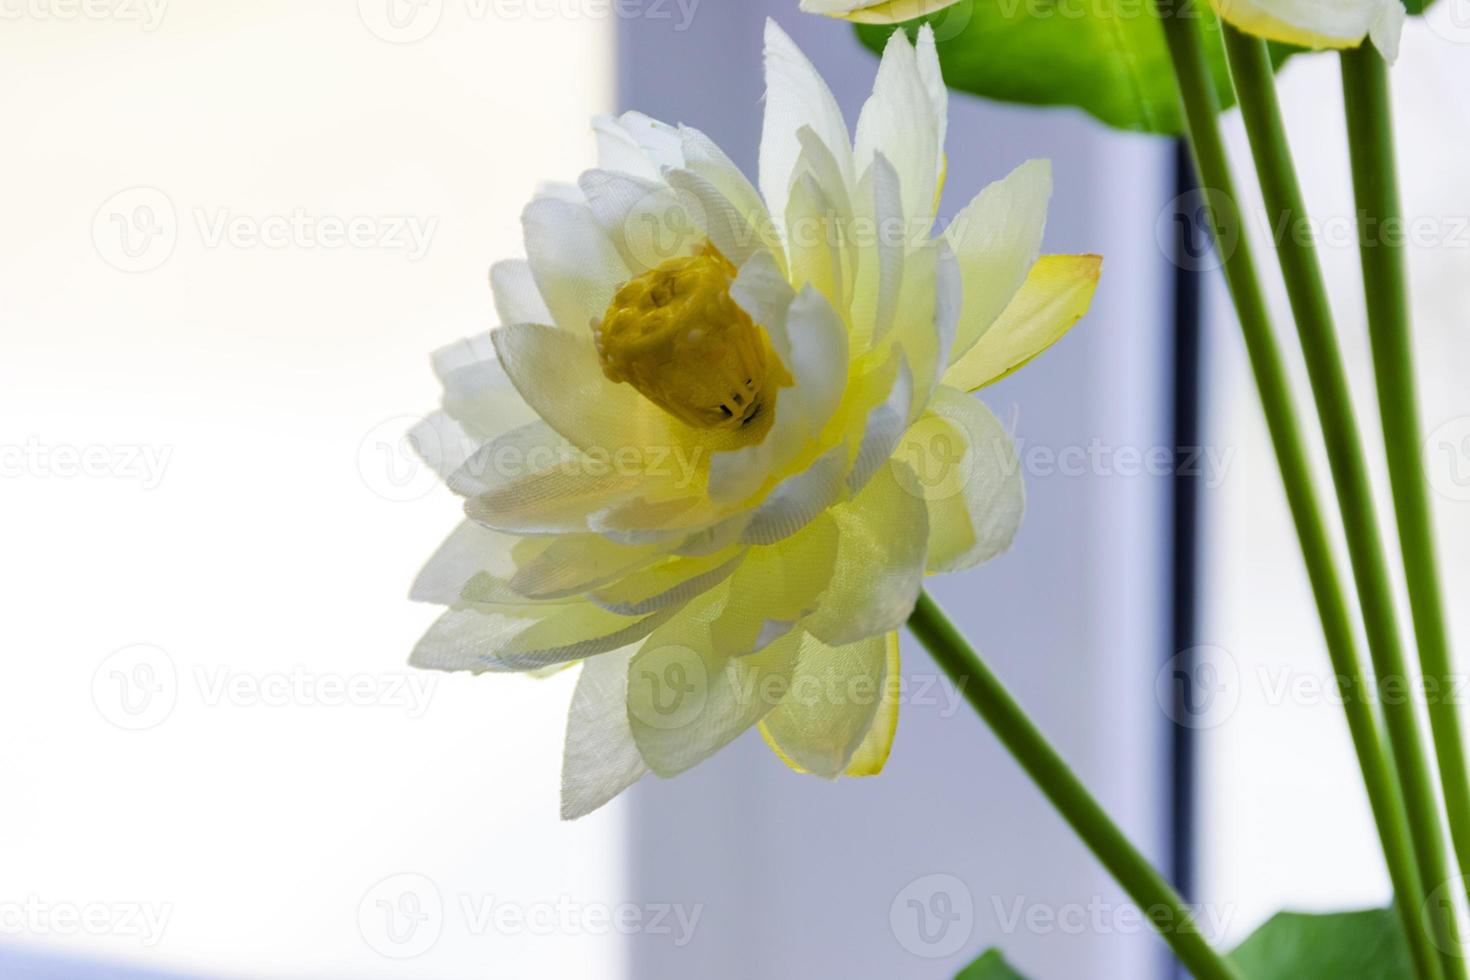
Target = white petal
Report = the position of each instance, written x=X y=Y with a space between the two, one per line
x=881 y=545
x=962 y=463
x=775 y=587
x=676 y=580
x=933 y=78
x=600 y=759
x=477 y=392
x=576 y=268
x=708 y=162
x=469 y=551
x=798 y=499
x=442 y=443
x=885 y=423
x=649 y=222
x=493 y=638
x=898 y=122
x=517 y=300
x=559 y=375
x=996 y=239
x=574 y=564
x=796 y=96
x=685 y=702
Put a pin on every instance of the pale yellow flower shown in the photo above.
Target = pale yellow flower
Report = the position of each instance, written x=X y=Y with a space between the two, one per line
x=722 y=433
x=1319 y=23
x=875 y=11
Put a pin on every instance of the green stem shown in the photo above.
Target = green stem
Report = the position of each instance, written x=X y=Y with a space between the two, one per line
x=1255 y=88
x=1385 y=284
x=1164 y=908
x=1201 y=111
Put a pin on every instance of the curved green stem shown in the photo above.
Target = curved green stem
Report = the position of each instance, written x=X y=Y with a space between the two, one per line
x=1164 y=908
x=1386 y=286
x=1255 y=87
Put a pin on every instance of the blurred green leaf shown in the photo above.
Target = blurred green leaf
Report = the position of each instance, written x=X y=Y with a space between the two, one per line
x=1365 y=945
x=1105 y=56
x=990 y=966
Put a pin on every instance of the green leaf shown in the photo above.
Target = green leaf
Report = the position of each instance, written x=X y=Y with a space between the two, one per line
x=1365 y=945
x=1105 y=56
x=990 y=966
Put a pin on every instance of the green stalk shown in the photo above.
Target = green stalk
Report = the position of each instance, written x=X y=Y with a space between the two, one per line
x=1385 y=283
x=1165 y=910
x=1211 y=163
x=1255 y=89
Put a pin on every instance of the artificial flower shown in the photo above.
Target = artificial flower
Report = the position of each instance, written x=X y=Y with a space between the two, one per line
x=875 y=11
x=722 y=433
x=1319 y=23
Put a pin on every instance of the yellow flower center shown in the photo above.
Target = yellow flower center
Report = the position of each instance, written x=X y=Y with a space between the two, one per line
x=675 y=334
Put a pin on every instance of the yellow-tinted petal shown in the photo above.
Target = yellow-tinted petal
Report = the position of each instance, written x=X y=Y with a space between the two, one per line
x=963 y=465
x=1308 y=23
x=685 y=701
x=875 y=11
x=496 y=638
x=996 y=239
x=871 y=755
x=881 y=538
x=1055 y=295
x=835 y=695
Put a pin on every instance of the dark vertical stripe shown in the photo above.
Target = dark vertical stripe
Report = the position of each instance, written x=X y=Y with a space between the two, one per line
x=1185 y=532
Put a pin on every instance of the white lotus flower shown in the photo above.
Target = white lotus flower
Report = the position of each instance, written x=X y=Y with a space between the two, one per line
x=1319 y=23
x=722 y=434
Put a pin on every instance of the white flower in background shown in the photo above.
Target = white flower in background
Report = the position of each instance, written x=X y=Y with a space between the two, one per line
x=723 y=434
x=1319 y=23
x=875 y=11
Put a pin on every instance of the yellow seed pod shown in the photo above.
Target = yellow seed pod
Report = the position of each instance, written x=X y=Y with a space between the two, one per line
x=675 y=334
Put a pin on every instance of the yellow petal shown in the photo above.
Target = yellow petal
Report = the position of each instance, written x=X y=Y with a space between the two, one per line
x=835 y=695
x=996 y=239
x=875 y=11
x=685 y=701
x=881 y=537
x=1055 y=295
x=871 y=755
x=962 y=463
x=1308 y=23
